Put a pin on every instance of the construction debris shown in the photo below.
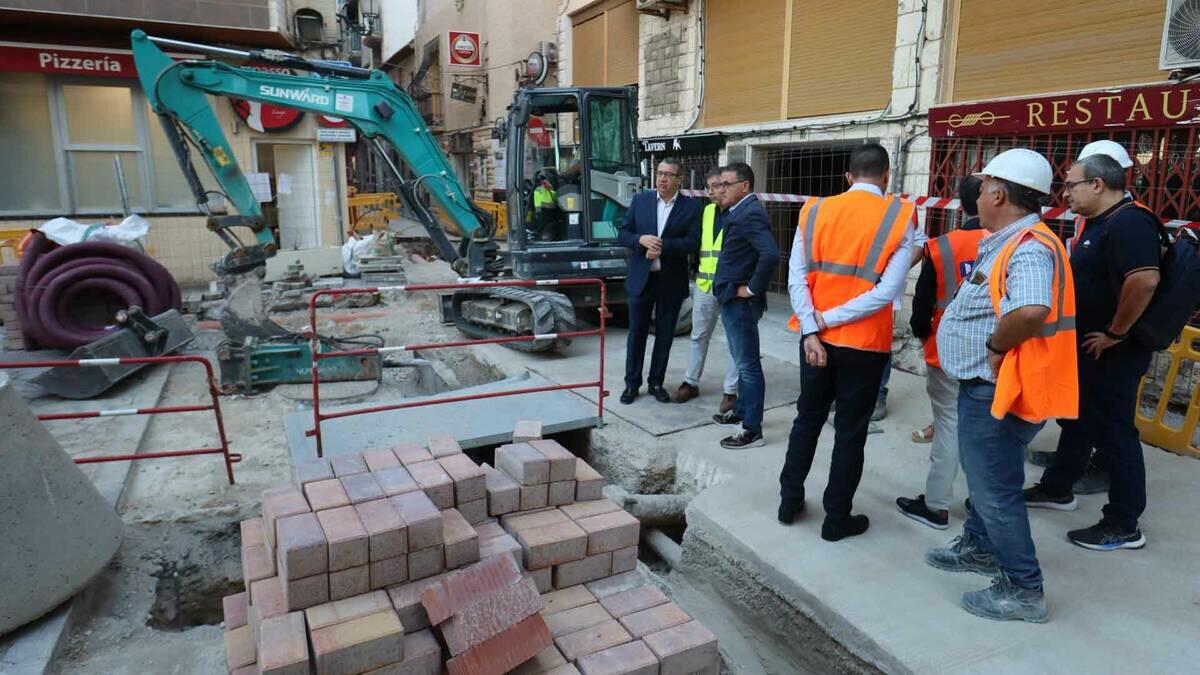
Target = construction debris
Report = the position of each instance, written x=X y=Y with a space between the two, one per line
x=414 y=560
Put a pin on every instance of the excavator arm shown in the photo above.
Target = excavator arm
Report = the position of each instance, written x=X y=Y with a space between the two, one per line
x=177 y=91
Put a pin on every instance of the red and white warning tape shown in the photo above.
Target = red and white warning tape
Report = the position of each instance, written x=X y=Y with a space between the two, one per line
x=921 y=201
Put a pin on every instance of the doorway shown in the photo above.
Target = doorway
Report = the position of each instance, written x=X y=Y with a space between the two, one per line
x=293 y=212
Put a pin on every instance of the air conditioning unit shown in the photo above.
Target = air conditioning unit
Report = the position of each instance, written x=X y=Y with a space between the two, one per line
x=661 y=6
x=1181 y=35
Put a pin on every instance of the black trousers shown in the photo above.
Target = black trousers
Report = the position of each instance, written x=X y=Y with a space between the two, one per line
x=851 y=377
x=1107 y=403
x=665 y=309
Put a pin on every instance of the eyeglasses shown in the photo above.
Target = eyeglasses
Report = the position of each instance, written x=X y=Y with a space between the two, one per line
x=1070 y=184
x=729 y=185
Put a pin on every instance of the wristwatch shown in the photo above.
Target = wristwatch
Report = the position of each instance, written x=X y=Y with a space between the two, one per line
x=1115 y=336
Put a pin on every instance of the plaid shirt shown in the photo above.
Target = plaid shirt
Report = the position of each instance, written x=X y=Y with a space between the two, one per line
x=970 y=319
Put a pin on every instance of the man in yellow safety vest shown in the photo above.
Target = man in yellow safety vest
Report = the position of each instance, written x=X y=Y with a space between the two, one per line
x=706 y=310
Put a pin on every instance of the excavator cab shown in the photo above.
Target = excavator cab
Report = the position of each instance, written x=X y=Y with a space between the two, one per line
x=572 y=171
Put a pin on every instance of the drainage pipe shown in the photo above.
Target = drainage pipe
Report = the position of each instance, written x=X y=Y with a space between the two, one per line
x=652 y=510
x=663 y=546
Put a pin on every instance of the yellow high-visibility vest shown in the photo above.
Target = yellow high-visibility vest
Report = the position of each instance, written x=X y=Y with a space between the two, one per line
x=710 y=249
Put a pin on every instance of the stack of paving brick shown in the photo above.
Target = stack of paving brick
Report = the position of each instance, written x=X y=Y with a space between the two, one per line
x=15 y=339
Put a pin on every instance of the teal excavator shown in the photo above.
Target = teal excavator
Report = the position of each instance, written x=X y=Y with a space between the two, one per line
x=571 y=172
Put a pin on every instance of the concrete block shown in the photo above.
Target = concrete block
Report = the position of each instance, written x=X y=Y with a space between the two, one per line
x=327 y=494
x=503 y=493
x=387 y=533
x=339 y=611
x=562 y=461
x=504 y=652
x=610 y=532
x=283 y=645
x=279 y=503
x=422 y=656
x=267 y=596
x=359 y=645
x=347 y=538
x=233 y=609
x=422 y=518
x=302 y=551
x=543 y=579
x=311 y=471
x=576 y=619
x=581 y=510
x=577 y=572
x=349 y=582
x=591 y=640
x=528 y=520
x=475 y=512
x=389 y=572
x=501 y=545
x=616 y=584
x=348 y=464
x=459 y=539
x=545 y=660
x=257 y=563
x=454 y=591
x=443 y=446
x=535 y=496
x=435 y=482
x=561 y=493
x=469 y=481
x=490 y=615
x=239 y=648
x=566 y=598
x=307 y=592
x=396 y=481
x=664 y=616
x=634 y=600
x=684 y=649
x=526 y=430
x=625 y=560
x=589 y=484
x=412 y=453
x=553 y=544
x=426 y=562
x=632 y=658
x=488 y=529
x=362 y=487
x=406 y=599
x=523 y=464
x=380 y=459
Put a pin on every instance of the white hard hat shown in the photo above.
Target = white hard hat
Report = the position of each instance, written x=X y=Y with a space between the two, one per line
x=1021 y=166
x=1107 y=147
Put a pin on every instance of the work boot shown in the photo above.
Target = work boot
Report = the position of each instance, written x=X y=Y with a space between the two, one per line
x=880 y=410
x=1006 y=601
x=728 y=401
x=1038 y=497
x=685 y=393
x=962 y=555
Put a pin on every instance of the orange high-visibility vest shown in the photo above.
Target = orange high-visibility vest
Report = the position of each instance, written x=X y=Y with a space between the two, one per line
x=1039 y=379
x=952 y=256
x=1081 y=222
x=848 y=240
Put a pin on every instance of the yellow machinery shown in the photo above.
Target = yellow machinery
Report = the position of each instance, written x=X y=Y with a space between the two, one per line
x=1154 y=430
x=371 y=211
x=499 y=211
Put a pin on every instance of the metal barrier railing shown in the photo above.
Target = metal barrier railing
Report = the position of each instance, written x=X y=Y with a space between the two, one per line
x=319 y=417
x=230 y=458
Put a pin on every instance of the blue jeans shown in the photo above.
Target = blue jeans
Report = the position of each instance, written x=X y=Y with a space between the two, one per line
x=883 y=385
x=740 y=318
x=993 y=459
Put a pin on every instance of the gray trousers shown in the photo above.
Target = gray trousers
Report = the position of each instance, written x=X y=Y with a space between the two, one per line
x=706 y=314
x=943 y=453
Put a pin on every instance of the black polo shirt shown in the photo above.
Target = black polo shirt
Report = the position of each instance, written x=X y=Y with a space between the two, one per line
x=1122 y=240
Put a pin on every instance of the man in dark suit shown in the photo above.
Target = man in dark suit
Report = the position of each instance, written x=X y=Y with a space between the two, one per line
x=748 y=258
x=662 y=228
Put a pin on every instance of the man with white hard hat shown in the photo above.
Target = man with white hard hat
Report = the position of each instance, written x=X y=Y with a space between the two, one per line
x=1008 y=337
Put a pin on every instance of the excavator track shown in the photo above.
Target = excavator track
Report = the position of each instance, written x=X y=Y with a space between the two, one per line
x=548 y=312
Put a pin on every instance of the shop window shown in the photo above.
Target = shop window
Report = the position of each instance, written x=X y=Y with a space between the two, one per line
x=26 y=132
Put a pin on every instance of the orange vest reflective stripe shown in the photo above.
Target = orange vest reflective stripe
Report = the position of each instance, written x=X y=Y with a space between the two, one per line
x=952 y=256
x=1081 y=222
x=848 y=240
x=1039 y=379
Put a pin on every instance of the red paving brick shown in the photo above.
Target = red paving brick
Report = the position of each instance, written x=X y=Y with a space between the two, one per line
x=406 y=599
x=348 y=464
x=412 y=453
x=349 y=582
x=633 y=658
x=303 y=551
x=329 y=613
x=396 y=481
x=267 y=596
x=469 y=481
x=422 y=656
x=435 y=482
x=527 y=520
x=591 y=640
x=589 y=484
x=503 y=493
x=233 y=609
x=252 y=532
x=625 y=560
x=239 y=648
x=347 y=538
x=543 y=579
x=523 y=463
x=582 y=571
x=535 y=496
x=610 y=532
x=460 y=540
x=567 y=598
x=634 y=600
x=380 y=459
x=664 y=616
x=278 y=503
x=576 y=619
x=526 y=430
x=443 y=446
x=312 y=470
x=562 y=461
x=451 y=592
x=426 y=562
x=283 y=645
x=490 y=615
x=326 y=494
x=387 y=534
x=581 y=510
x=475 y=512
x=546 y=660
x=489 y=529
x=423 y=519
x=307 y=592
x=553 y=544
x=389 y=572
x=561 y=493
x=257 y=563
x=505 y=651
x=684 y=649
x=362 y=487
x=360 y=644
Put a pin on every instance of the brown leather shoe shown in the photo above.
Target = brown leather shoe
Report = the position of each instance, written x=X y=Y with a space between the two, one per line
x=727 y=402
x=685 y=393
